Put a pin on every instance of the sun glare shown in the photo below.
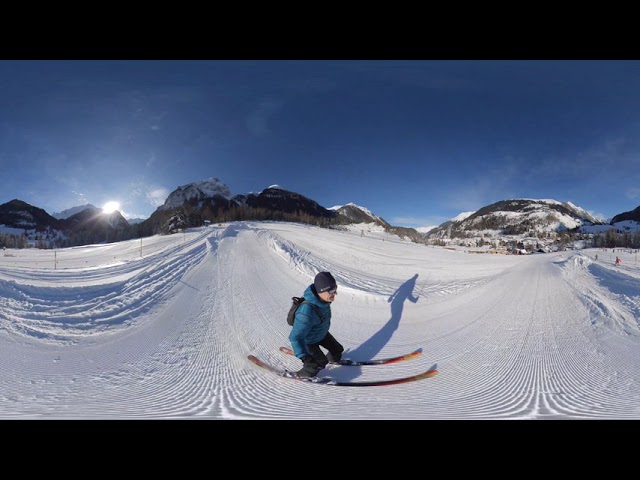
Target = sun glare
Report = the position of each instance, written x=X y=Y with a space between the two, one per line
x=110 y=207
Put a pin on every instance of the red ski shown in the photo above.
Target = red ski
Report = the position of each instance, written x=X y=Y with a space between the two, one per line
x=329 y=381
x=381 y=361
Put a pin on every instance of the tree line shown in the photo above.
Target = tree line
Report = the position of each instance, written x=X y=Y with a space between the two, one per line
x=162 y=223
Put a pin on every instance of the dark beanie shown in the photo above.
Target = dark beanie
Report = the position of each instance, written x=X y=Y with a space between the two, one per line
x=324 y=281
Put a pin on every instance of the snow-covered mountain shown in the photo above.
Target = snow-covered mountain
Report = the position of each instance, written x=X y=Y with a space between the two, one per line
x=211 y=200
x=544 y=218
x=72 y=211
x=461 y=216
x=507 y=220
x=359 y=214
x=583 y=213
x=94 y=218
x=196 y=191
x=77 y=226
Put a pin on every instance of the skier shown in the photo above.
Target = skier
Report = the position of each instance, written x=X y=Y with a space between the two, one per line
x=310 y=332
x=617 y=261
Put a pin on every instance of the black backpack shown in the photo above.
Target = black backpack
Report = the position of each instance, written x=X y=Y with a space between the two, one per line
x=295 y=303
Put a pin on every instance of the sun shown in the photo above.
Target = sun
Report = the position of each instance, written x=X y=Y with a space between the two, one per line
x=110 y=207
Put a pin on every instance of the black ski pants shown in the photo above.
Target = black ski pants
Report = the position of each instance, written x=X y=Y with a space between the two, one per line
x=330 y=344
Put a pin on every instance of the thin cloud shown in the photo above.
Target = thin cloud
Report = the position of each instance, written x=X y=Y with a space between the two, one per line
x=157 y=196
x=632 y=193
x=258 y=120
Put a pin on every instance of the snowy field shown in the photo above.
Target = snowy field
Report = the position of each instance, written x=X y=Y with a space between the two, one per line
x=160 y=328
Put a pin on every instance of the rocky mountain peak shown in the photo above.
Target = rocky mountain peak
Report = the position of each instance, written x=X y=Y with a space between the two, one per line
x=196 y=191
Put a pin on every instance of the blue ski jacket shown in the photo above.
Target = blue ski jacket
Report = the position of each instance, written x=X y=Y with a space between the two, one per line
x=307 y=327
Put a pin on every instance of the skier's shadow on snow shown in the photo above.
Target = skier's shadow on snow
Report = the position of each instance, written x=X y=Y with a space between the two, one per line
x=372 y=347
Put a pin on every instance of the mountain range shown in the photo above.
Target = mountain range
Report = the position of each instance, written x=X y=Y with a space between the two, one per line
x=210 y=200
x=536 y=223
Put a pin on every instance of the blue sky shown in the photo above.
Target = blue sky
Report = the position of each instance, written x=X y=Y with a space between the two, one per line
x=416 y=142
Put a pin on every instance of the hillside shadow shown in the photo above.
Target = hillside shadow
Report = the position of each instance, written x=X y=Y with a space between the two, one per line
x=370 y=348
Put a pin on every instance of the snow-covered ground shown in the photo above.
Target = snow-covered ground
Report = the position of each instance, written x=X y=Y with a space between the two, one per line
x=160 y=328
